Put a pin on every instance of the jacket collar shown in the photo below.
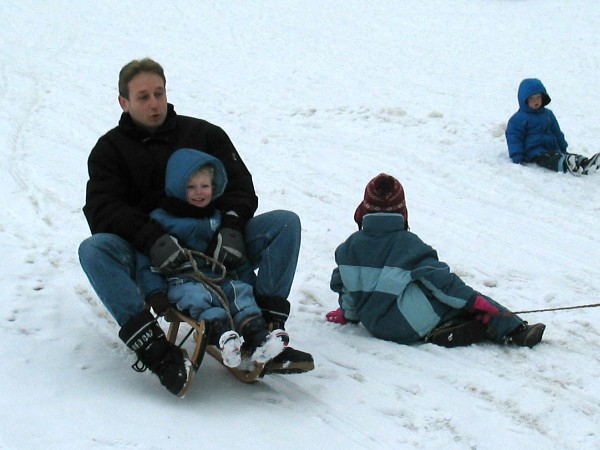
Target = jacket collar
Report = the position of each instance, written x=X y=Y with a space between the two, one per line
x=385 y=222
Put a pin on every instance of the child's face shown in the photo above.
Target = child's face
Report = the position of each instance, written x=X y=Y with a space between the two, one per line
x=534 y=101
x=199 y=189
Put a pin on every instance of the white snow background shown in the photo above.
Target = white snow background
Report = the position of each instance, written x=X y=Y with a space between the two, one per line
x=318 y=97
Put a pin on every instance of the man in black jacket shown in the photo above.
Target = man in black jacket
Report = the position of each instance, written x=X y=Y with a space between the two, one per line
x=126 y=181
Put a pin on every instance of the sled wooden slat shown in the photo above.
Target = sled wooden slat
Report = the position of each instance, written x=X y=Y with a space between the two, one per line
x=175 y=319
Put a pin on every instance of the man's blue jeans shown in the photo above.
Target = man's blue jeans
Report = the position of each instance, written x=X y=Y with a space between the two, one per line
x=272 y=246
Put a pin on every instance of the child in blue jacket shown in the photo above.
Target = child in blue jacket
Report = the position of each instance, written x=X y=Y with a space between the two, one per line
x=193 y=180
x=394 y=284
x=534 y=136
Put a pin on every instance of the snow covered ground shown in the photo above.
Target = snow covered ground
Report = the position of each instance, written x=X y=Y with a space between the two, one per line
x=318 y=97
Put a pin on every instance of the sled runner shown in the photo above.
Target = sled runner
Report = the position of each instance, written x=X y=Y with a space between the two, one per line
x=248 y=372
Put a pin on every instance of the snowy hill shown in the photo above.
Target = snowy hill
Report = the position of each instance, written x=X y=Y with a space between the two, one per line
x=318 y=97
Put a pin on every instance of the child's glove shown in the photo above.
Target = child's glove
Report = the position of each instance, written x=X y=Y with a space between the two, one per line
x=482 y=309
x=167 y=255
x=227 y=245
x=337 y=316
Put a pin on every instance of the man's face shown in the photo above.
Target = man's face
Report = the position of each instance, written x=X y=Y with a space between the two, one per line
x=147 y=103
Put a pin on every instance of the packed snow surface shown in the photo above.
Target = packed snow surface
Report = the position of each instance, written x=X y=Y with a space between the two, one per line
x=318 y=97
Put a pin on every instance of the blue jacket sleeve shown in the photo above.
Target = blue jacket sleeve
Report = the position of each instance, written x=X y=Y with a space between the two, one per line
x=345 y=300
x=515 y=138
x=445 y=285
x=558 y=134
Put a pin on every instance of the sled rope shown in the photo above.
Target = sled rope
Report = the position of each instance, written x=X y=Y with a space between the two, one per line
x=560 y=308
x=210 y=283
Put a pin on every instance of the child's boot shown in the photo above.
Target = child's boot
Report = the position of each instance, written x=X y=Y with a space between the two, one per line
x=273 y=345
x=591 y=163
x=262 y=344
x=572 y=164
x=275 y=311
x=458 y=333
x=527 y=335
x=230 y=345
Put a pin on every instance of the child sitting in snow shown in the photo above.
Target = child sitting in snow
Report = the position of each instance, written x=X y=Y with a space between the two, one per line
x=394 y=284
x=533 y=134
x=193 y=179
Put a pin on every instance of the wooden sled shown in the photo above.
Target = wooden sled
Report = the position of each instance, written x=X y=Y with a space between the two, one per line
x=247 y=372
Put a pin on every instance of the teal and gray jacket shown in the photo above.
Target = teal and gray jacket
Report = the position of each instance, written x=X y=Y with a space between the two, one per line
x=393 y=283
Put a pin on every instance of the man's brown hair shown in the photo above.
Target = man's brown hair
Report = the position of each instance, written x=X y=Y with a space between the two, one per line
x=135 y=67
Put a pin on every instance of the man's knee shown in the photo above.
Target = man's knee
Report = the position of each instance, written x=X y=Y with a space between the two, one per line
x=279 y=218
x=101 y=249
x=104 y=243
x=288 y=219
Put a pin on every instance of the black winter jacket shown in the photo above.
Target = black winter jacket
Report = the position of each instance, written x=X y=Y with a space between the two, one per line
x=127 y=175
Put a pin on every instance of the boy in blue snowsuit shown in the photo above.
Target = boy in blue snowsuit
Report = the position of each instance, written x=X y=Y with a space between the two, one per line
x=393 y=283
x=193 y=180
x=534 y=136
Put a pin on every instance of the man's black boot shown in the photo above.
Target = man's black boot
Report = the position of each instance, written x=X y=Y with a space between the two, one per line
x=145 y=337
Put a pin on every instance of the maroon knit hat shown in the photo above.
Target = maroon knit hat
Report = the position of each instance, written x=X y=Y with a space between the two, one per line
x=383 y=194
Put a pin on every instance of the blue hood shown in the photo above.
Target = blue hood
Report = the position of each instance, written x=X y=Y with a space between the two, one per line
x=530 y=86
x=183 y=163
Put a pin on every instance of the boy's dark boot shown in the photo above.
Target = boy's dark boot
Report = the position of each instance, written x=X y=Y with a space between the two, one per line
x=145 y=337
x=591 y=163
x=458 y=333
x=572 y=164
x=254 y=332
x=527 y=335
x=275 y=311
x=215 y=328
x=264 y=345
